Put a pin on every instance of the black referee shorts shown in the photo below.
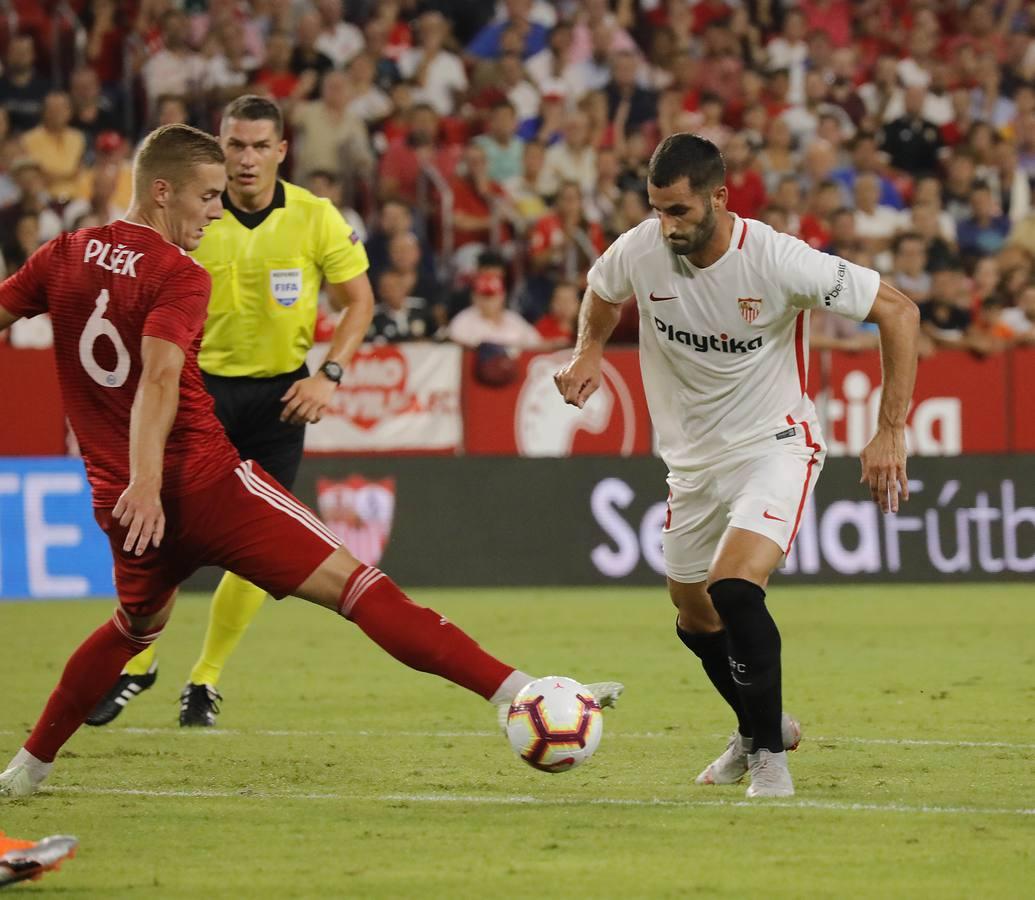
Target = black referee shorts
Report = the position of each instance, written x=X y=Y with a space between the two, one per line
x=250 y=409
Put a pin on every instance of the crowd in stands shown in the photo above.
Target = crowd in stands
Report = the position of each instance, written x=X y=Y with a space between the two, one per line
x=488 y=153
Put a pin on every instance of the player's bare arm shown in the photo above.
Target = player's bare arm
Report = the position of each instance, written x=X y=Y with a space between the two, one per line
x=139 y=509
x=581 y=376
x=7 y=319
x=306 y=399
x=884 y=458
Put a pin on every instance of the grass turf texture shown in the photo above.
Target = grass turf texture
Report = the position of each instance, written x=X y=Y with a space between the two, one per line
x=336 y=772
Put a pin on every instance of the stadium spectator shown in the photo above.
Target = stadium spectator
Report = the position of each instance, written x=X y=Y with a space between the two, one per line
x=503 y=149
x=438 y=73
x=276 y=76
x=405 y=258
x=746 y=188
x=571 y=159
x=925 y=220
x=171 y=109
x=399 y=315
x=22 y=89
x=958 y=186
x=512 y=80
x=601 y=204
x=339 y=40
x=532 y=35
x=562 y=247
x=1020 y=318
x=92 y=111
x=476 y=216
x=947 y=317
x=985 y=230
x=558 y=325
x=329 y=136
x=910 y=273
x=229 y=67
x=306 y=56
x=22 y=242
x=101 y=204
x=777 y=157
x=789 y=51
x=815 y=225
x=552 y=69
x=911 y=141
x=57 y=147
x=33 y=198
x=637 y=104
x=522 y=192
x=488 y=321
x=875 y=222
x=369 y=102
x=828 y=331
x=175 y=68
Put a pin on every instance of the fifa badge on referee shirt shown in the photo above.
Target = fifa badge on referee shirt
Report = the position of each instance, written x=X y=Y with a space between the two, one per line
x=286 y=285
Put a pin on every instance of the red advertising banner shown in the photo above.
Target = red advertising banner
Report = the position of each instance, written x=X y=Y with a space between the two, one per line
x=962 y=404
x=1021 y=398
x=527 y=417
x=959 y=405
x=30 y=406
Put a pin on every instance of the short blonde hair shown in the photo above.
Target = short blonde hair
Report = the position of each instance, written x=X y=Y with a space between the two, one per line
x=172 y=152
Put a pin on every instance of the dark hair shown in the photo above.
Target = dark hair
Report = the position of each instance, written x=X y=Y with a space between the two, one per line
x=689 y=156
x=900 y=239
x=490 y=258
x=252 y=108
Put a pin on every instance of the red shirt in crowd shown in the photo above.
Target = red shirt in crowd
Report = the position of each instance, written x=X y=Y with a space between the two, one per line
x=746 y=193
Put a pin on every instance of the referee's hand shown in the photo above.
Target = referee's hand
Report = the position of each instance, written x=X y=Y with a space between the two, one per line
x=306 y=400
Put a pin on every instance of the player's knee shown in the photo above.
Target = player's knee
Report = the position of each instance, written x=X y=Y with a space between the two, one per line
x=696 y=613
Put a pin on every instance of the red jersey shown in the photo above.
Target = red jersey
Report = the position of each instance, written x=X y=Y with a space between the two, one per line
x=106 y=289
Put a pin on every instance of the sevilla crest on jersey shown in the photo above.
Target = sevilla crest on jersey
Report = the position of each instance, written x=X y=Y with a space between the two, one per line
x=750 y=307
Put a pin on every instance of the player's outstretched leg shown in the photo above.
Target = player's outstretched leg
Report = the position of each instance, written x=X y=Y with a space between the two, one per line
x=29 y=860
x=415 y=635
x=754 y=651
x=89 y=673
x=234 y=604
x=139 y=674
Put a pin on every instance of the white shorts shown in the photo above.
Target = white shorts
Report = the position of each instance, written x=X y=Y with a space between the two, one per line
x=761 y=487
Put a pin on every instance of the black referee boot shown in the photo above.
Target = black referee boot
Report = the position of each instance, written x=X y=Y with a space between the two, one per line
x=198 y=706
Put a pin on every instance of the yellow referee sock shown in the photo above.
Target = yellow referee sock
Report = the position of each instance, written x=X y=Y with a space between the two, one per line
x=141 y=663
x=234 y=605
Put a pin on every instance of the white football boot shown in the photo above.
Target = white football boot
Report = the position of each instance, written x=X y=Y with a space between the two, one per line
x=17 y=782
x=770 y=776
x=732 y=765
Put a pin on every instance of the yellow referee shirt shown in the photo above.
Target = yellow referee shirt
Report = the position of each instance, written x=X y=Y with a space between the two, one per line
x=266 y=273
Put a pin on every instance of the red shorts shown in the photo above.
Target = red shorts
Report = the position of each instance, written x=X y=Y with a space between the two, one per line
x=245 y=522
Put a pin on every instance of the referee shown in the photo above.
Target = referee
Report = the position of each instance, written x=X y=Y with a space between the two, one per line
x=267 y=257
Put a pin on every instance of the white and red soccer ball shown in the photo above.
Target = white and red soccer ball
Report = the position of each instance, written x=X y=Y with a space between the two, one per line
x=554 y=724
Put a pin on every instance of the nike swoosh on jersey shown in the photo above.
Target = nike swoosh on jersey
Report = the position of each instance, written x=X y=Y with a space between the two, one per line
x=656 y=299
x=767 y=515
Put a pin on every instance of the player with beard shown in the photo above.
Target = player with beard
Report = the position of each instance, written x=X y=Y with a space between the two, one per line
x=724 y=305
x=267 y=256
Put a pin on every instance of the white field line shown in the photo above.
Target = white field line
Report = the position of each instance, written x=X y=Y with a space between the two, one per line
x=822 y=805
x=617 y=735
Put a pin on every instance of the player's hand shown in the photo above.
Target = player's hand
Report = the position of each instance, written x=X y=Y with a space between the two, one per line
x=139 y=511
x=306 y=399
x=884 y=468
x=579 y=379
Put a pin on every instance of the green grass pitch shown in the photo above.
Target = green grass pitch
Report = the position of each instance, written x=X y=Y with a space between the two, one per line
x=338 y=773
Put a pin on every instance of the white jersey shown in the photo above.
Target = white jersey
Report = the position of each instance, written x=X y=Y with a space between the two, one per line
x=724 y=350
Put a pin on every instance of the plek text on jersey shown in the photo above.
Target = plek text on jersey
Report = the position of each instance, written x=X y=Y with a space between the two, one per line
x=119 y=260
x=702 y=343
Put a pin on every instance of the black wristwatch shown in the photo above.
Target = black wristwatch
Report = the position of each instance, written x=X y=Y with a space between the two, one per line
x=333 y=371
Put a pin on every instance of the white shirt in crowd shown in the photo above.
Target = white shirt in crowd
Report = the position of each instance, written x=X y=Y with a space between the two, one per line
x=882 y=223
x=724 y=350
x=341 y=44
x=444 y=78
x=470 y=328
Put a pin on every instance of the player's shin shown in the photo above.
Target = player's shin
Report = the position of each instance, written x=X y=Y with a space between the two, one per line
x=420 y=637
x=91 y=671
x=712 y=649
x=754 y=657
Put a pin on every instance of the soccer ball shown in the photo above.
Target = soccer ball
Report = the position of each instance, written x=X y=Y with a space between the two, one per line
x=554 y=724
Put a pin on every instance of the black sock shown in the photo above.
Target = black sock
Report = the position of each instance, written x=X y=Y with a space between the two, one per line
x=713 y=651
x=754 y=656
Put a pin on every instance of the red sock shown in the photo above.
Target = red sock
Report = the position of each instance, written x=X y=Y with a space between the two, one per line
x=88 y=676
x=416 y=635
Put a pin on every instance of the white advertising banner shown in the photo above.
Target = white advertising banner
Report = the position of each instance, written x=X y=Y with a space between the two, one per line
x=392 y=397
